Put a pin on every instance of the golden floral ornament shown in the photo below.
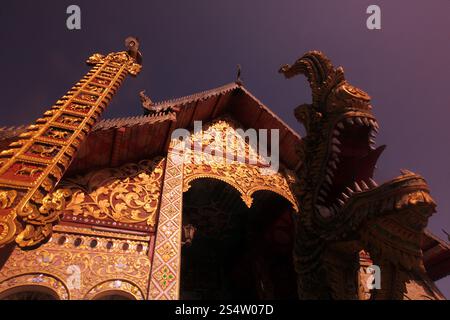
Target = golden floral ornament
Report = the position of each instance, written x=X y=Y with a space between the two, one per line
x=39 y=219
x=114 y=286
x=129 y=194
x=121 y=58
x=244 y=178
x=4 y=229
x=167 y=251
x=33 y=165
x=36 y=279
x=7 y=198
x=224 y=139
x=81 y=268
x=164 y=277
x=46 y=258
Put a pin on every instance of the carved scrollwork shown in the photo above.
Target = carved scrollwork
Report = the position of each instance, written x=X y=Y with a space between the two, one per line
x=36 y=279
x=117 y=57
x=129 y=194
x=33 y=165
x=115 y=286
x=7 y=198
x=245 y=176
x=40 y=219
x=90 y=267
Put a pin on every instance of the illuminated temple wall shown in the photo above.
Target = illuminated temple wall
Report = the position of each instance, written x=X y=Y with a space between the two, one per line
x=120 y=236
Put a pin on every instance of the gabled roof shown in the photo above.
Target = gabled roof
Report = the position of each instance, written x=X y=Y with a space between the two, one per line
x=114 y=142
x=181 y=101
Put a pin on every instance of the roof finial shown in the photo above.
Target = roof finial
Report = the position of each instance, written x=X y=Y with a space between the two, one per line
x=448 y=235
x=132 y=44
x=150 y=107
x=145 y=100
x=238 y=76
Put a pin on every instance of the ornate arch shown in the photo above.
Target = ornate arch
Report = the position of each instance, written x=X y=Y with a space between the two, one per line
x=246 y=179
x=220 y=151
x=49 y=282
x=114 y=285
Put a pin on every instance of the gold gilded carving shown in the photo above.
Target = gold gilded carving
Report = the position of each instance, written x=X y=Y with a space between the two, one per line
x=114 y=286
x=127 y=269
x=42 y=218
x=88 y=97
x=165 y=277
x=101 y=81
x=36 y=181
x=245 y=178
x=36 y=279
x=74 y=121
x=27 y=171
x=243 y=175
x=119 y=57
x=43 y=151
x=4 y=229
x=58 y=134
x=95 y=89
x=79 y=107
x=166 y=251
x=223 y=139
x=7 y=198
x=129 y=194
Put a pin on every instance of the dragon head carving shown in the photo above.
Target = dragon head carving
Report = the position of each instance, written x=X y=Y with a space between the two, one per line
x=340 y=203
x=338 y=151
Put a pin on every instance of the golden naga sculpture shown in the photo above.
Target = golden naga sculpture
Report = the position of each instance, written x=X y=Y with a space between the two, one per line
x=343 y=211
x=31 y=167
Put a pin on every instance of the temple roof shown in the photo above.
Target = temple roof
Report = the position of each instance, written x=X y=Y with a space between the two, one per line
x=114 y=142
x=196 y=96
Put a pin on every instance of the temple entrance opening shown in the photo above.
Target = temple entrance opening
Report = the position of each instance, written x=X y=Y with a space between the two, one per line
x=114 y=295
x=29 y=292
x=231 y=251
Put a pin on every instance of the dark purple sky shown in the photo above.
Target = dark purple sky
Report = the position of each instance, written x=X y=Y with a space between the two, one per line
x=191 y=46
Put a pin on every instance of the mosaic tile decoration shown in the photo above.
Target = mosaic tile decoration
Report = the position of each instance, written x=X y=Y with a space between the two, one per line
x=165 y=276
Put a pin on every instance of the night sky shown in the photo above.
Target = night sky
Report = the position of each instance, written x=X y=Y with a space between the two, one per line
x=191 y=46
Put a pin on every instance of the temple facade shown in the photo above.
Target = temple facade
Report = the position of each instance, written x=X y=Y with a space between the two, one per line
x=179 y=204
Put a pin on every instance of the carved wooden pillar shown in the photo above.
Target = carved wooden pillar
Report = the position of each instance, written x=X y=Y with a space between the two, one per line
x=165 y=275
